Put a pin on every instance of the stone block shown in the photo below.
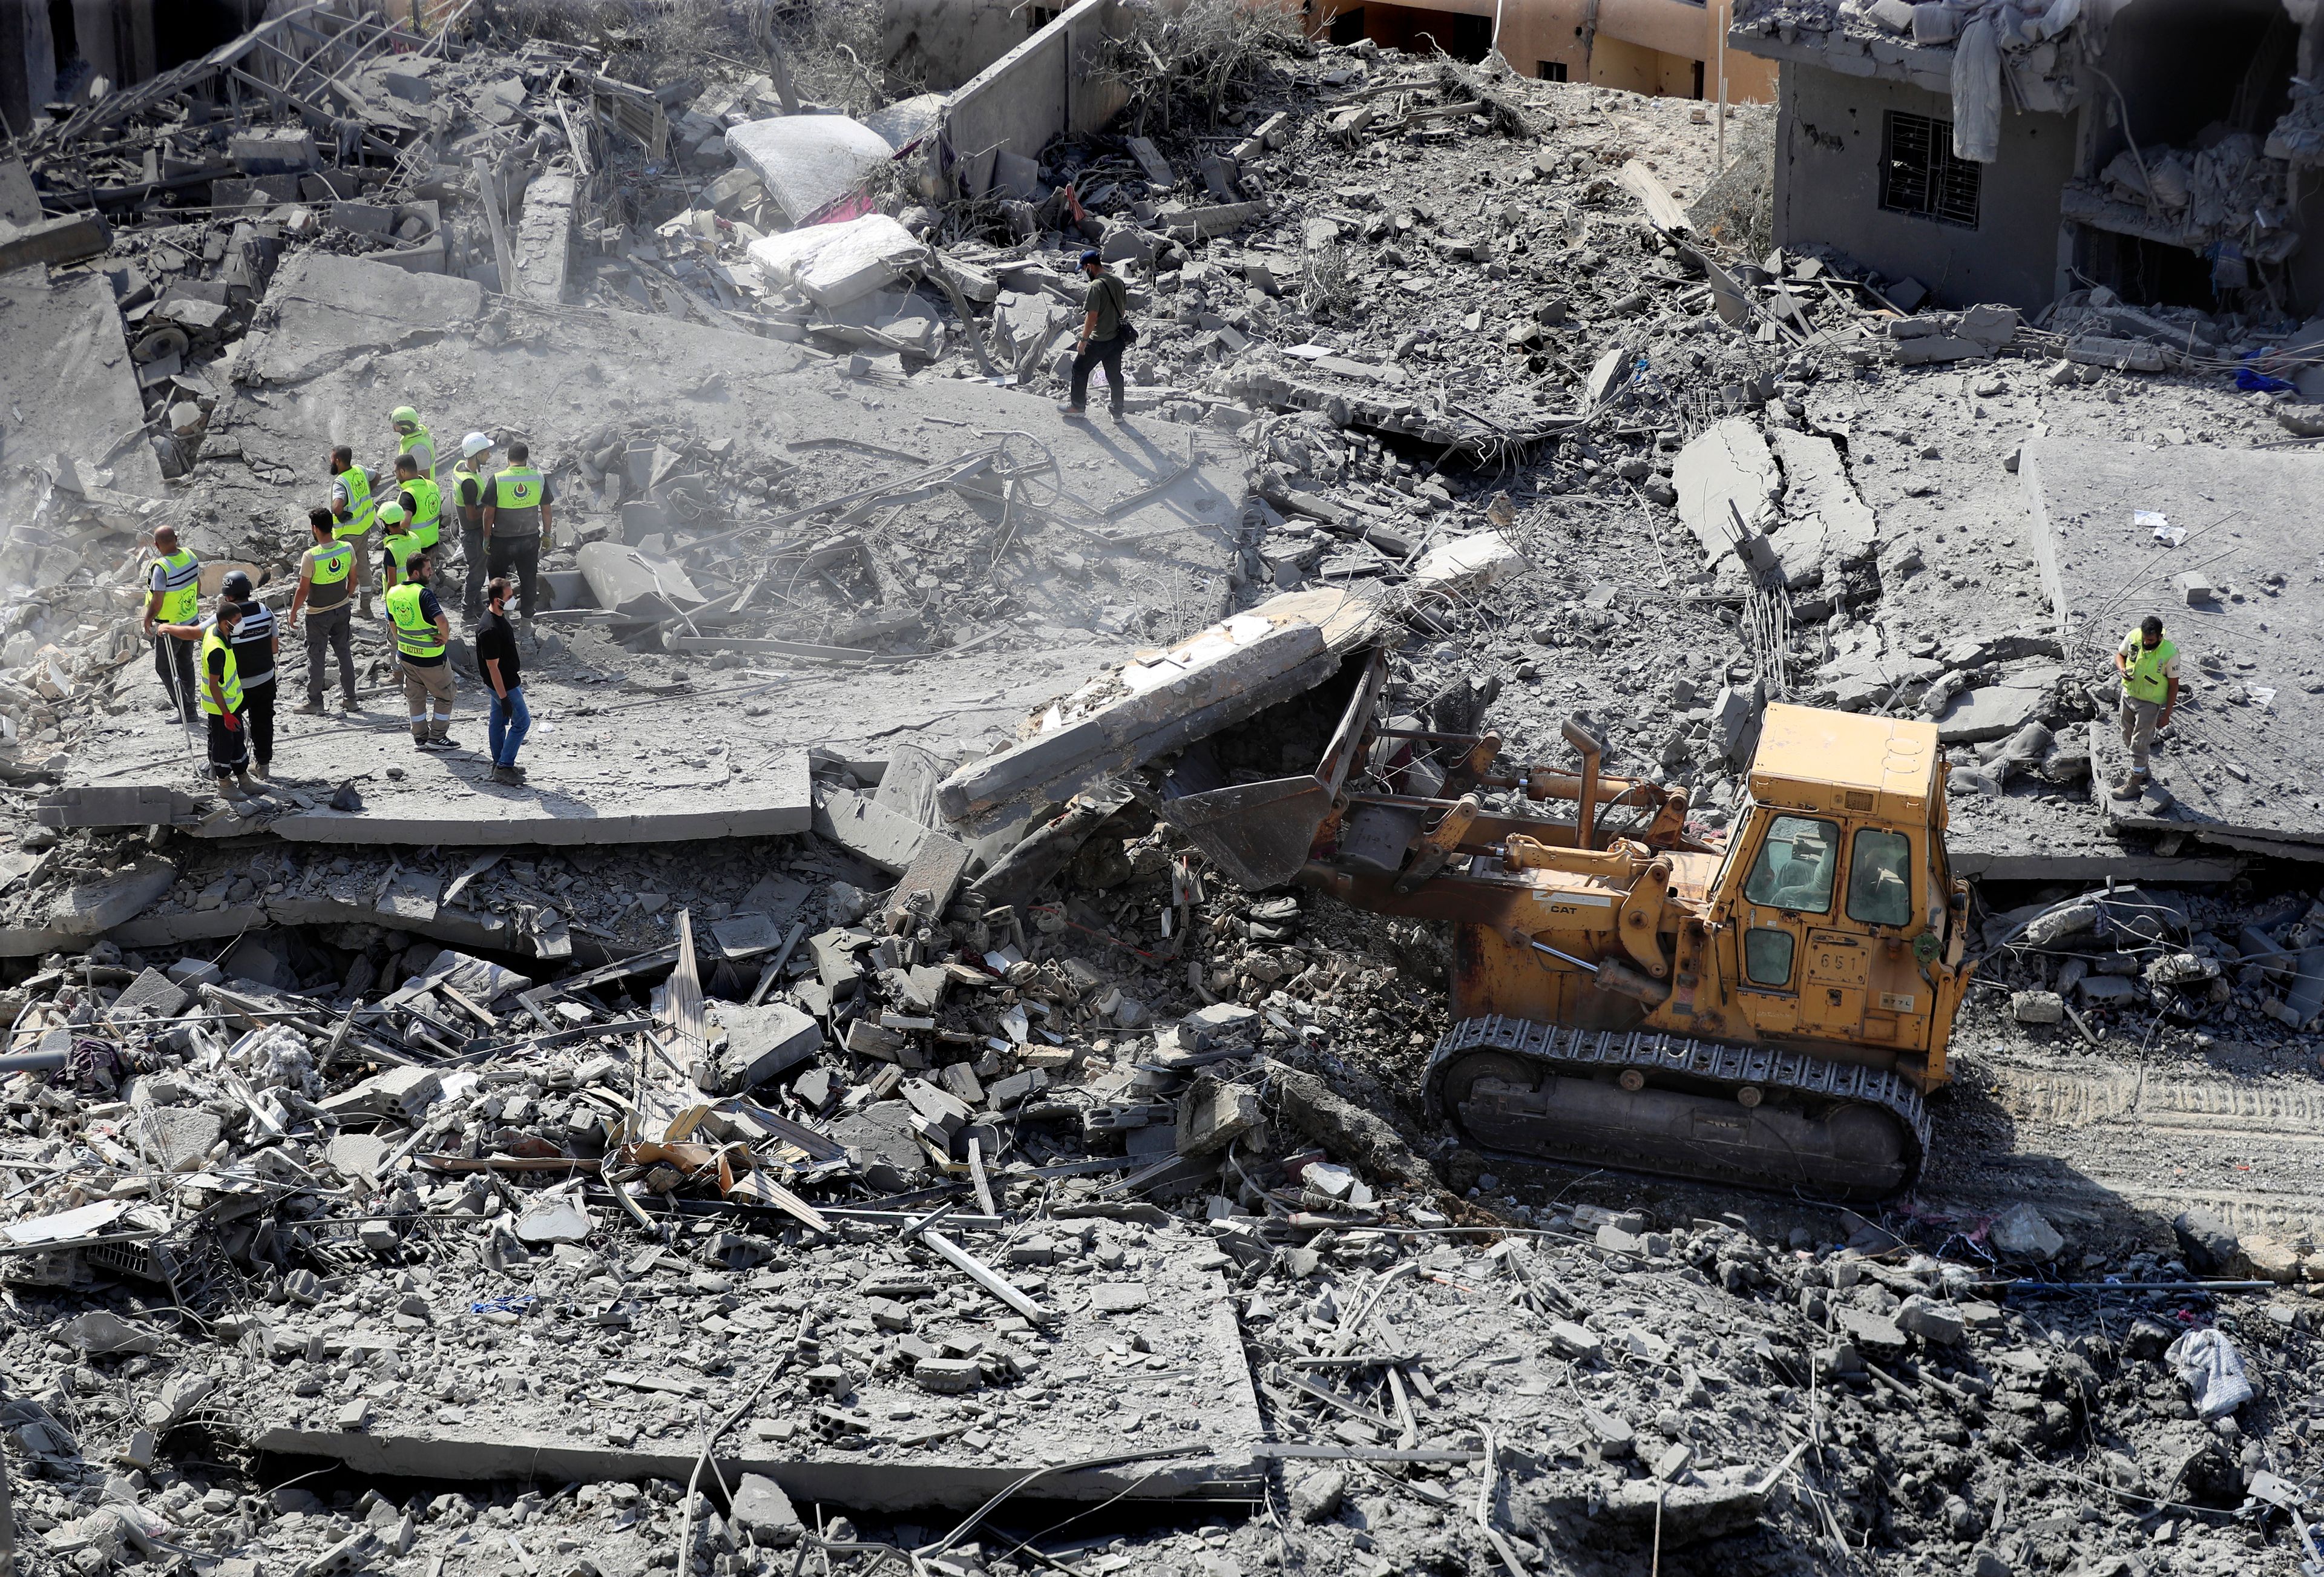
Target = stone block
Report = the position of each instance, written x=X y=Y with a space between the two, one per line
x=761 y=1508
x=64 y=239
x=1932 y=1321
x=272 y=151
x=178 y=1139
x=2037 y=1007
x=948 y=1376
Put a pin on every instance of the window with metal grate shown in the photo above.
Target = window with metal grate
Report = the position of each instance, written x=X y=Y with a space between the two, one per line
x=1920 y=175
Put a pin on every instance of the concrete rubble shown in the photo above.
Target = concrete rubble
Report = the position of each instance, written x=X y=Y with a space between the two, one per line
x=842 y=1108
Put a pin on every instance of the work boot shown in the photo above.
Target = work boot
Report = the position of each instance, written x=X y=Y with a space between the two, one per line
x=249 y=790
x=520 y=774
x=260 y=773
x=1073 y=412
x=229 y=789
x=2131 y=786
x=313 y=708
x=349 y=708
x=508 y=775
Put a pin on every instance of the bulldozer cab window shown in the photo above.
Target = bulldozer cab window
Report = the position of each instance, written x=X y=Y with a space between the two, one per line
x=1880 y=879
x=1796 y=867
x=1767 y=956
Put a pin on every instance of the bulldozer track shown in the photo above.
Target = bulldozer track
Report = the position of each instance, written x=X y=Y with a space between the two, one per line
x=1682 y=1061
x=2103 y=1141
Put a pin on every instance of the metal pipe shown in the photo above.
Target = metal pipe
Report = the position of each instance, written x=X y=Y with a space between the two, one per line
x=33 y=1062
x=1593 y=752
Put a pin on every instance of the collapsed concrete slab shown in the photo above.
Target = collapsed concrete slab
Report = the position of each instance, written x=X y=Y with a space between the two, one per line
x=70 y=388
x=1727 y=473
x=1164 y=701
x=2245 y=754
x=873 y=1439
x=70 y=916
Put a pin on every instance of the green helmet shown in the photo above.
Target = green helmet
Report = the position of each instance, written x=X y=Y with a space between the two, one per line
x=391 y=515
x=403 y=416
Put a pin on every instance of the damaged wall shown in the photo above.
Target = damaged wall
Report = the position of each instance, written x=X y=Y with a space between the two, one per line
x=939 y=44
x=1828 y=166
x=1042 y=87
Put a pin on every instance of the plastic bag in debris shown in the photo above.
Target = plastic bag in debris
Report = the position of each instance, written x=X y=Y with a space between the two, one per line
x=2207 y=1361
x=477 y=979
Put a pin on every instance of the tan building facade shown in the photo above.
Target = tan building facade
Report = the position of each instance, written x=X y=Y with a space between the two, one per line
x=1671 y=47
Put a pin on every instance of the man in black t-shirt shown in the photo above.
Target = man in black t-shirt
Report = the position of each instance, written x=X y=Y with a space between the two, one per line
x=504 y=670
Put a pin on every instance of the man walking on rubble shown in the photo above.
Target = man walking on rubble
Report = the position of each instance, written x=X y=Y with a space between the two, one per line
x=327 y=574
x=471 y=476
x=517 y=523
x=2149 y=666
x=353 y=503
x=1106 y=333
x=254 y=645
x=221 y=696
x=173 y=597
x=423 y=634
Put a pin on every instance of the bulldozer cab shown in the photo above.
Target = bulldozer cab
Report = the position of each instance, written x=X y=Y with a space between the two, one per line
x=1834 y=895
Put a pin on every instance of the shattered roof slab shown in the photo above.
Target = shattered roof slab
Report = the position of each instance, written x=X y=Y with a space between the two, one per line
x=2246 y=750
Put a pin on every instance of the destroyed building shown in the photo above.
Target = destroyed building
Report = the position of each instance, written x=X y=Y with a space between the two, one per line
x=940 y=1065
x=1673 y=48
x=2010 y=154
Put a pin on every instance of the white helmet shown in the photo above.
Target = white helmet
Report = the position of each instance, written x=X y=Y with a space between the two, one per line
x=475 y=443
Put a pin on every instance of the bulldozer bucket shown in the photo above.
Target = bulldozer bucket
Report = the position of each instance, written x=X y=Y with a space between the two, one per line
x=1259 y=834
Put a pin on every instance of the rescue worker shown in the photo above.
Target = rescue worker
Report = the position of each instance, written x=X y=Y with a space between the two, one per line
x=253 y=643
x=326 y=573
x=355 y=498
x=173 y=597
x=517 y=523
x=412 y=439
x=470 y=478
x=221 y=696
x=2149 y=666
x=422 y=502
x=421 y=633
x=397 y=548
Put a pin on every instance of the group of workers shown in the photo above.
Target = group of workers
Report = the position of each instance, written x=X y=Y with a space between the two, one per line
x=223 y=670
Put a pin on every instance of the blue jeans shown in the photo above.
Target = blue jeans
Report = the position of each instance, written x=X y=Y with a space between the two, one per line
x=510 y=724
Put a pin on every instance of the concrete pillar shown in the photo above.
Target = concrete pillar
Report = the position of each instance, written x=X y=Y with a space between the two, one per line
x=28 y=63
x=116 y=38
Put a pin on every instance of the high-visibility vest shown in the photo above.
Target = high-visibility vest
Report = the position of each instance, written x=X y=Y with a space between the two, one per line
x=428 y=509
x=360 y=505
x=328 y=566
x=420 y=448
x=329 y=563
x=400 y=547
x=465 y=471
x=181 y=587
x=416 y=634
x=230 y=681
x=516 y=502
x=2143 y=678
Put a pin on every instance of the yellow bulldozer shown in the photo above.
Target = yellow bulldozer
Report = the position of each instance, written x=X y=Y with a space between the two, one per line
x=1768 y=1011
